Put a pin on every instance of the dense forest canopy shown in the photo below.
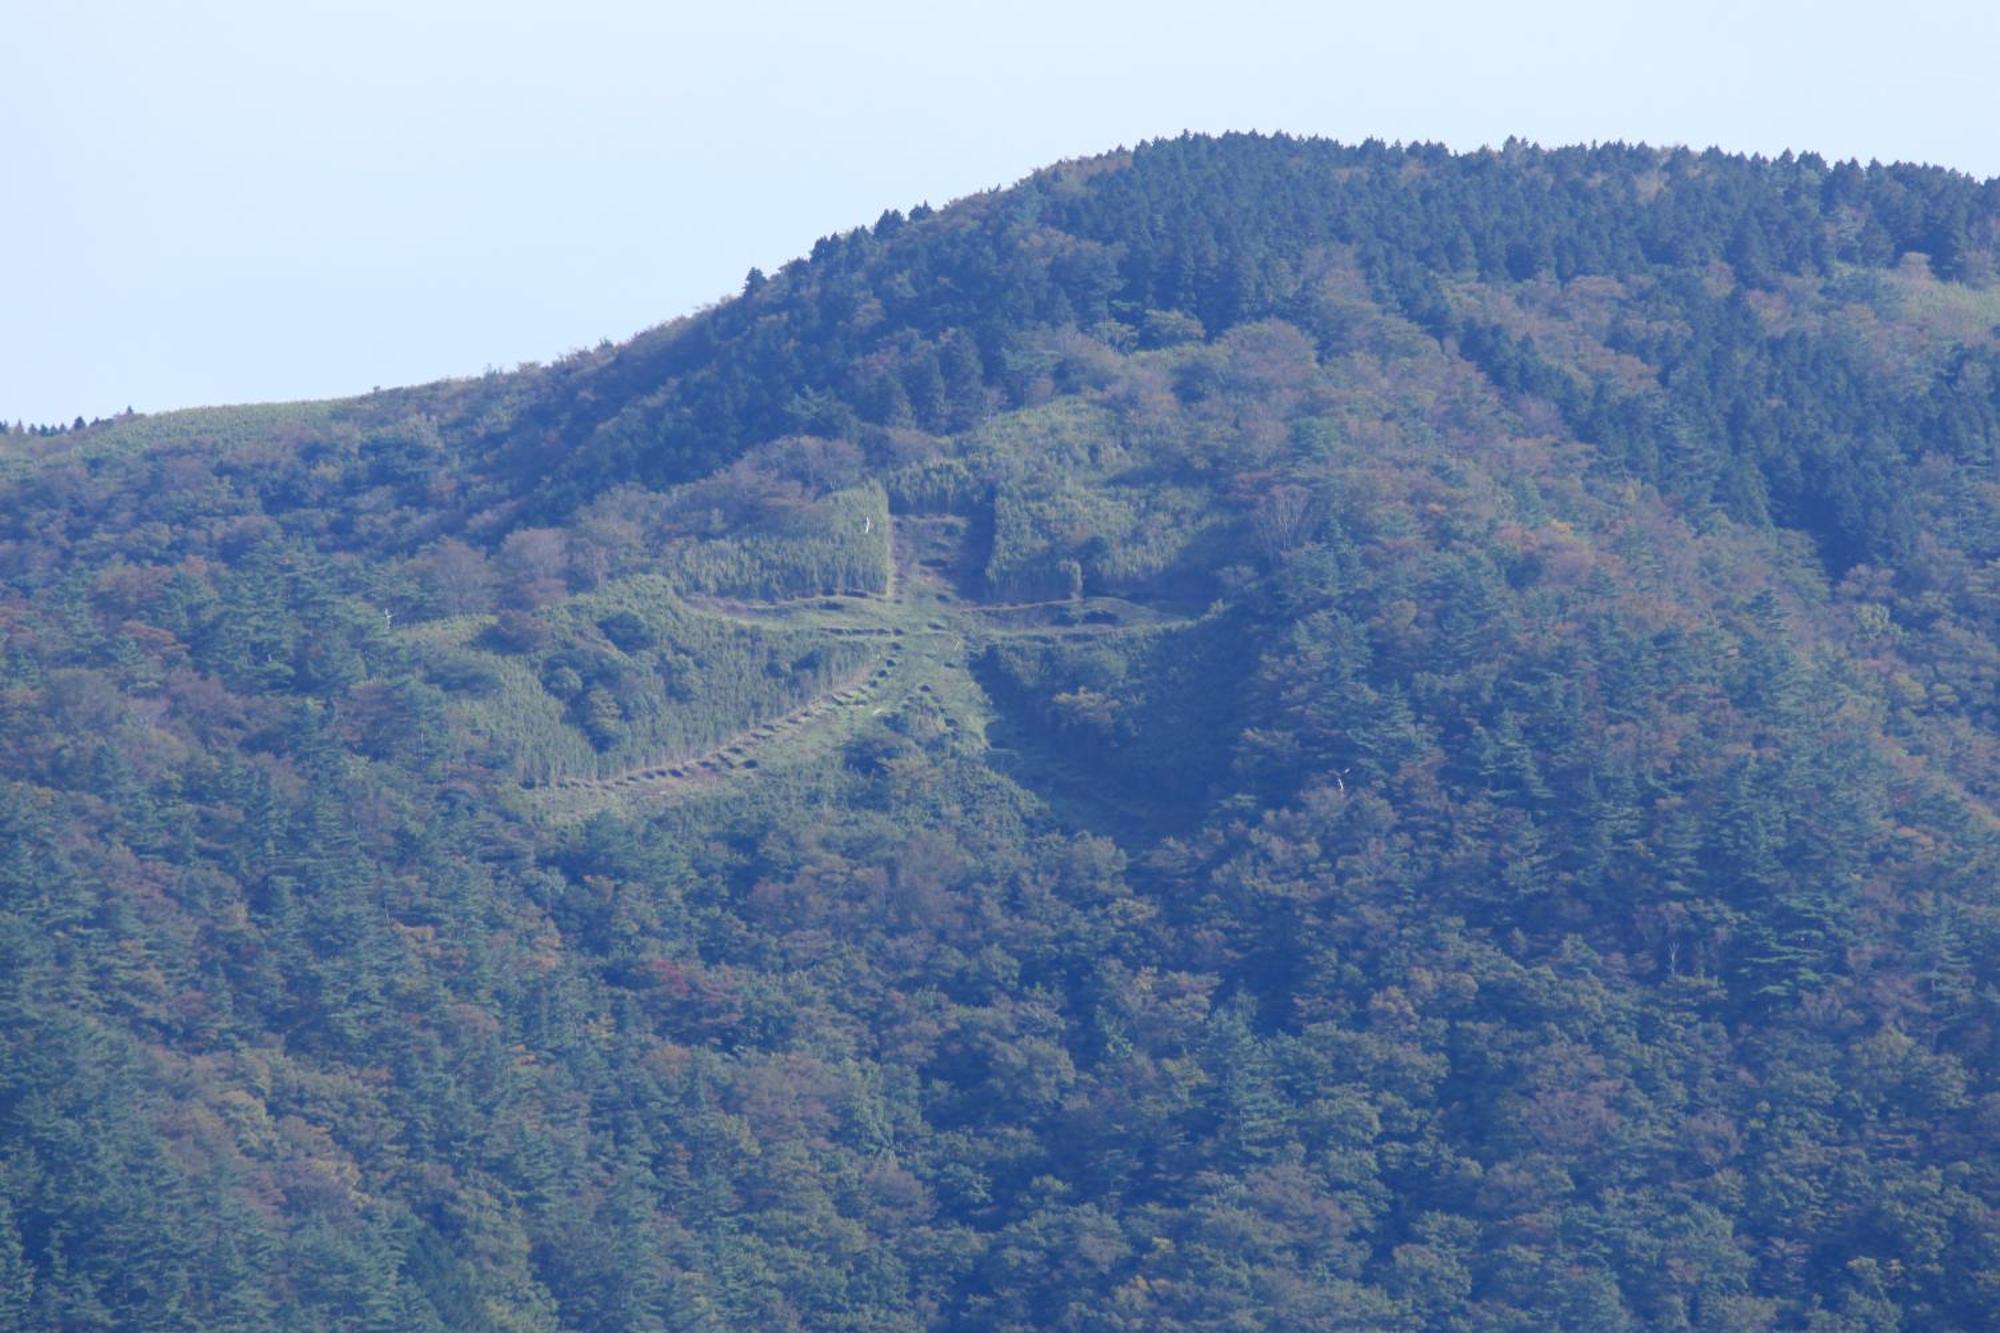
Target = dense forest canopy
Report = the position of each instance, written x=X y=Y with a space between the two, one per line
x=1246 y=733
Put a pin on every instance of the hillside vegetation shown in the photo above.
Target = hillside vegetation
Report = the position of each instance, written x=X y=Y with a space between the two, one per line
x=1248 y=733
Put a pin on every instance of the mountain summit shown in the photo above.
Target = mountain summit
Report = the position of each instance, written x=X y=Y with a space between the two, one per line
x=1246 y=733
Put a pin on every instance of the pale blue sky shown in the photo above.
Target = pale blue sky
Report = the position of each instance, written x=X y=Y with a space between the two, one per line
x=219 y=201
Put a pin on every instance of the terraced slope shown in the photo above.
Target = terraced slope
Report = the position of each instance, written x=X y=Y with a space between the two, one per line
x=930 y=637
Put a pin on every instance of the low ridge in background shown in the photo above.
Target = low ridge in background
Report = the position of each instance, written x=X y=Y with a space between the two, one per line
x=1247 y=733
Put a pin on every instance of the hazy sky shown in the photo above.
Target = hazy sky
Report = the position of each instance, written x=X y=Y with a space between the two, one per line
x=227 y=201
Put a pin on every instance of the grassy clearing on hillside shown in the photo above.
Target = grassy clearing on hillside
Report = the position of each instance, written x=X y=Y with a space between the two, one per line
x=629 y=676
x=1954 y=312
x=1081 y=536
x=1057 y=438
x=220 y=431
x=838 y=545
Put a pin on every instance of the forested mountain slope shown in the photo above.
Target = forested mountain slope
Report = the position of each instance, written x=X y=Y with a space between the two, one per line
x=1249 y=733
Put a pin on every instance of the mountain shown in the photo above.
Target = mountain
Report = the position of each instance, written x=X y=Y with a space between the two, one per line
x=1247 y=733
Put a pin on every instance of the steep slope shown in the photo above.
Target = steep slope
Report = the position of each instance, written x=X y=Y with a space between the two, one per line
x=1246 y=733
